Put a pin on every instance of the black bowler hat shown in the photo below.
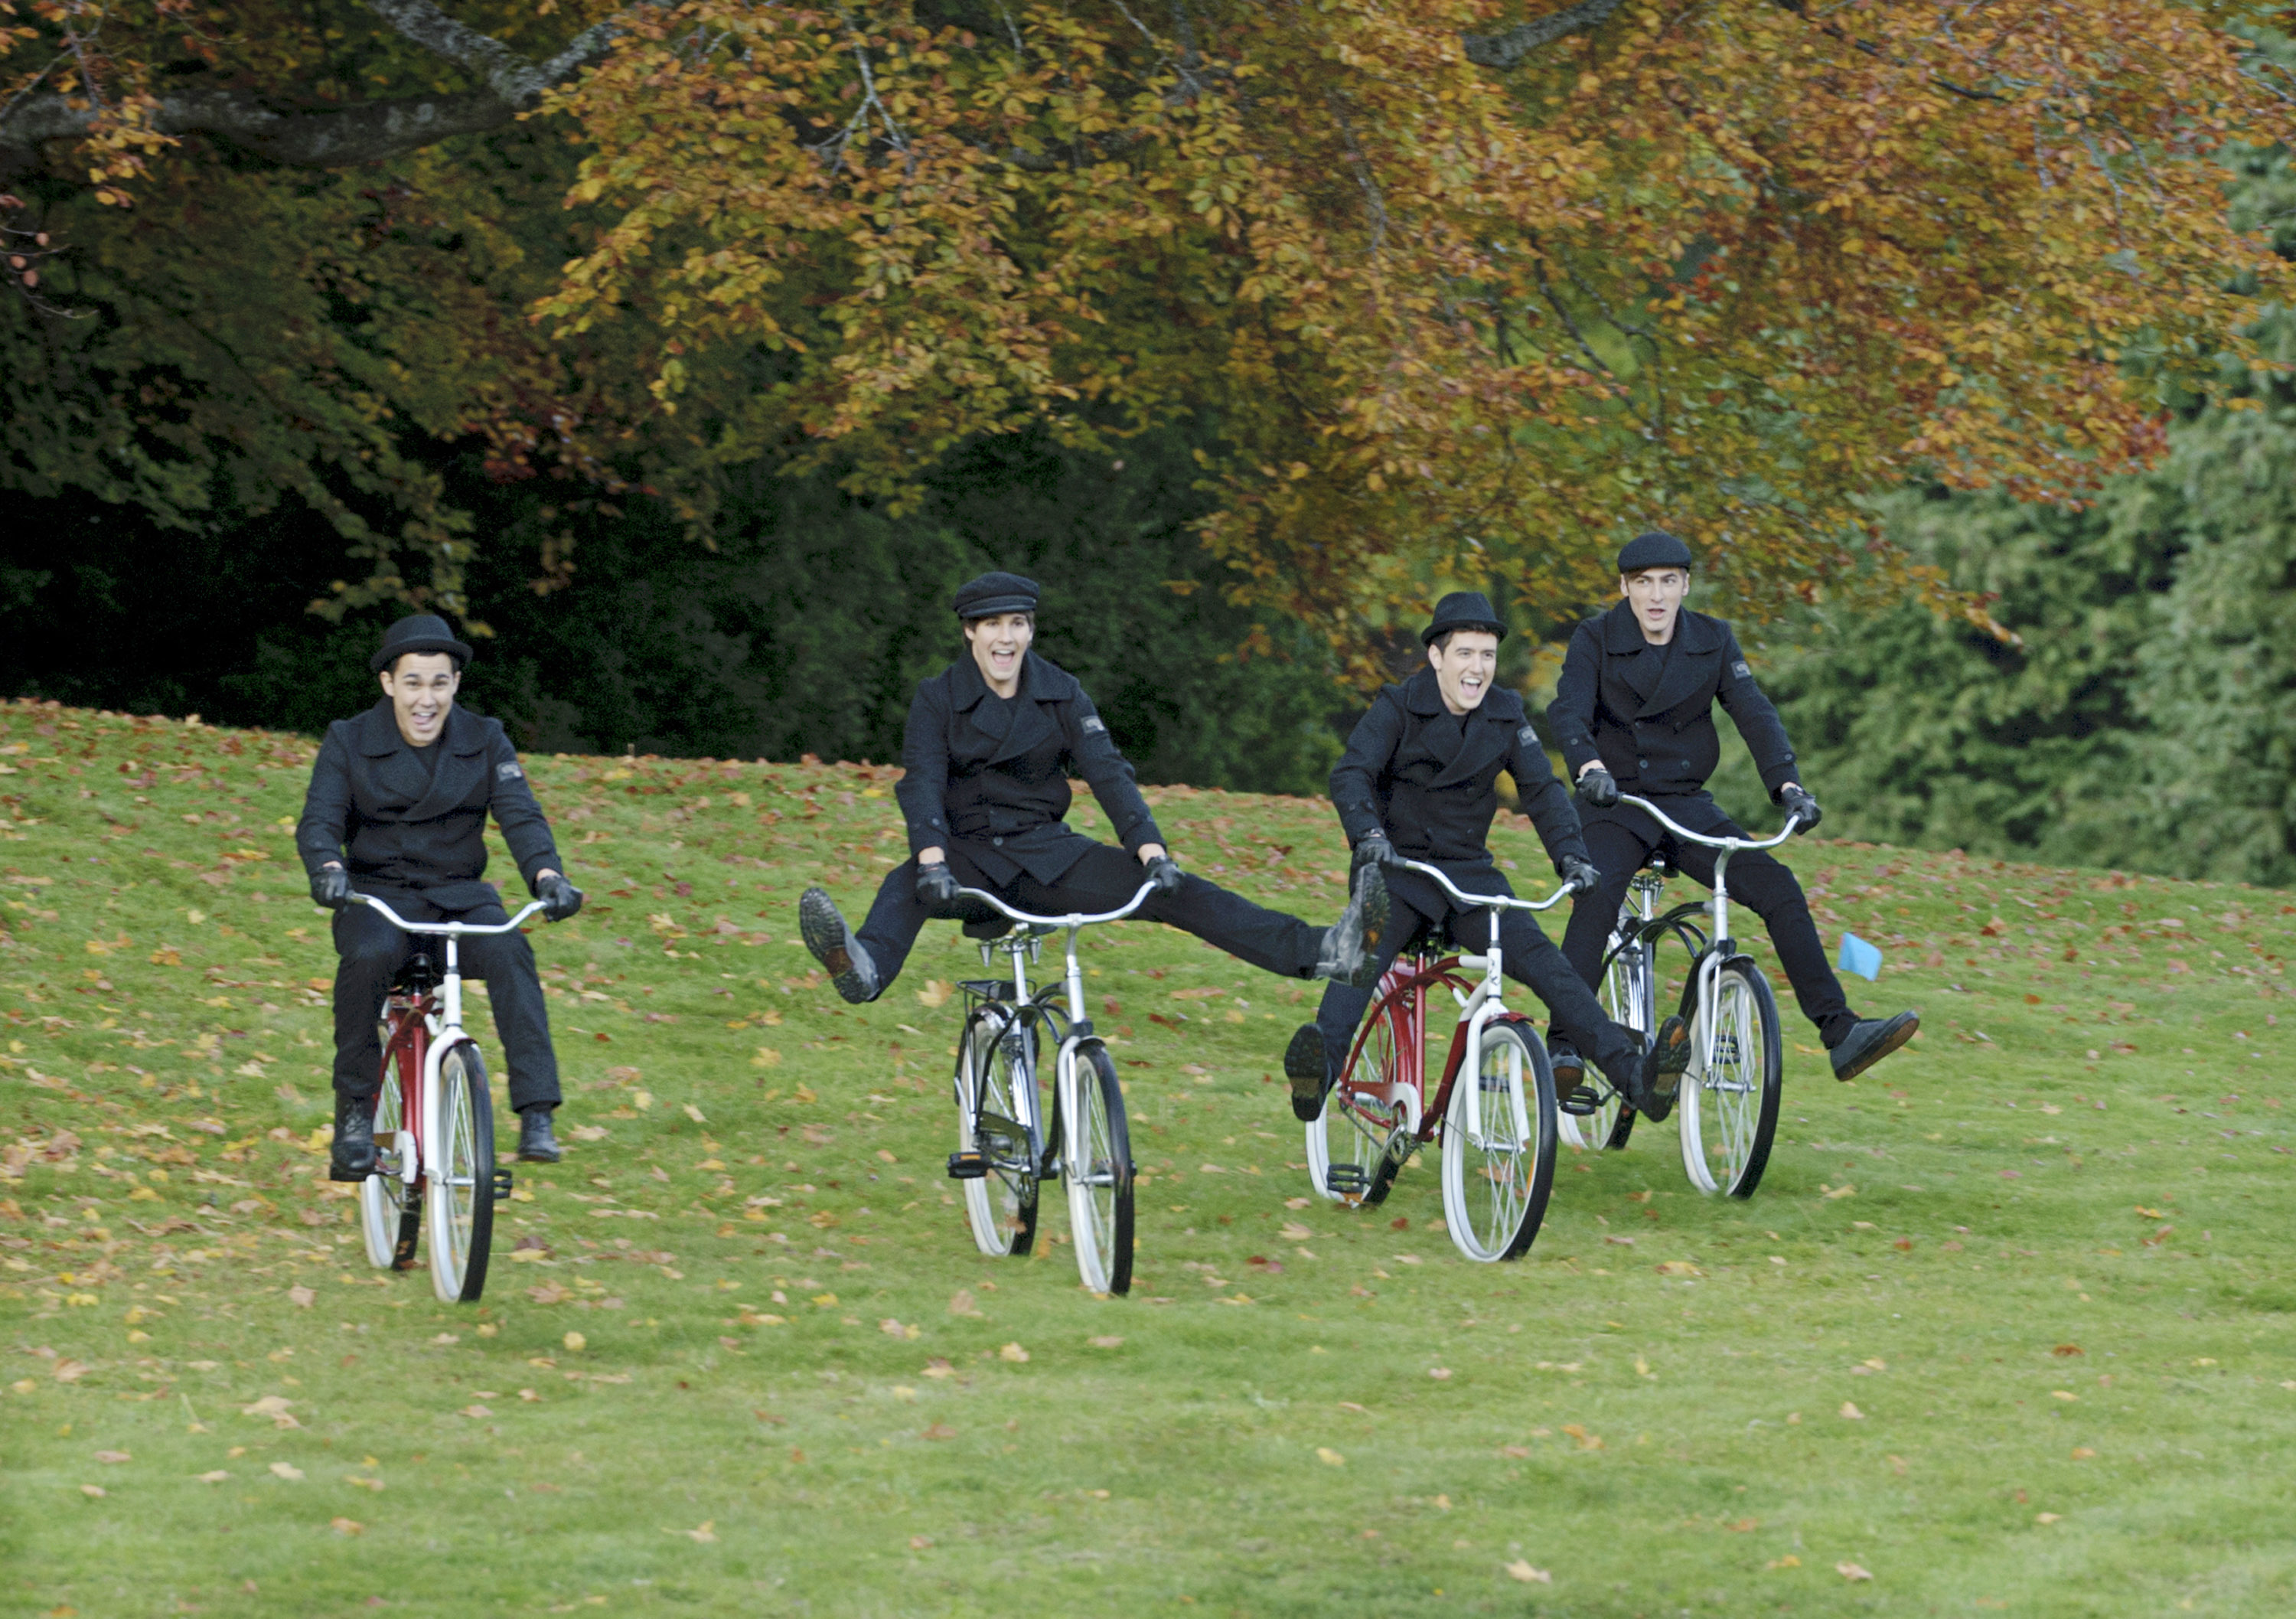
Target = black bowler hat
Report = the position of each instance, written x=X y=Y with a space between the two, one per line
x=995 y=593
x=1462 y=610
x=422 y=632
x=1656 y=550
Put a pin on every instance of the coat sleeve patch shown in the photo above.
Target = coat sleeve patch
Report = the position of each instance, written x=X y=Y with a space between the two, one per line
x=509 y=771
x=1527 y=736
x=1739 y=670
x=1092 y=723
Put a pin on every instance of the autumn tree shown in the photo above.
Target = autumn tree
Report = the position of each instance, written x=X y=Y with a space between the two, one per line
x=1463 y=291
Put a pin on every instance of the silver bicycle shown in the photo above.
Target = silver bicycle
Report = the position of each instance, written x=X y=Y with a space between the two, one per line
x=1729 y=1099
x=1003 y=1151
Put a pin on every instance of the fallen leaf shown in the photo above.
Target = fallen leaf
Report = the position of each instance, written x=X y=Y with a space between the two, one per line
x=892 y=1329
x=934 y=994
x=356 y=1483
x=1109 y=1342
x=1851 y=1572
x=1328 y=1456
x=94 y=1491
x=938 y=1430
x=1831 y=1193
x=1441 y=1374
x=215 y=1478
x=1012 y=1352
x=920 y=1542
x=1587 y=1442
x=575 y=1343
x=1521 y=1570
x=474 y=1411
x=300 y=1296
x=275 y=1406
x=1743 y=1526
x=287 y=1470
x=346 y=1526
x=2065 y=1394
x=1850 y=1410
x=2068 y=1349
x=1787 y=1561
x=2048 y=1517
x=69 y=1371
x=1678 y=1267
x=2083 y=1454
x=1292 y=1231
x=702 y=1536
x=113 y=1458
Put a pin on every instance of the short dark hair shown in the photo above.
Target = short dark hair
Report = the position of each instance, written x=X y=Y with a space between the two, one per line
x=1443 y=641
x=1028 y=613
x=422 y=653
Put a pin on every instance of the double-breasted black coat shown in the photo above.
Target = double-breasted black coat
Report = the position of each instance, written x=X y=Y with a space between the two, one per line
x=1428 y=779
x=398 y=823
x=988 y=777
x=1649 y=717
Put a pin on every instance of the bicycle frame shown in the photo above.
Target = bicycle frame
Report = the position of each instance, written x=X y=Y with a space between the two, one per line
x=442 y=1026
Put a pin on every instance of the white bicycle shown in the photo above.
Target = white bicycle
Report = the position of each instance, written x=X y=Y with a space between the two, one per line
x=1003 y=1151
x=434 y=1124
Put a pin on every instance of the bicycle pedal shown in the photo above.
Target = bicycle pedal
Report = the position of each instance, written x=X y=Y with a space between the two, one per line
x=967 y=1166
x=501 y=1185
x=1581 y=1101
x=1347 y=1178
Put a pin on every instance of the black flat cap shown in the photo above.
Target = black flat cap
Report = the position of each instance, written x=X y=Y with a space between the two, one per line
x=1462 y=610
x=419 y=632
x=1655 y=549
x=994 y=593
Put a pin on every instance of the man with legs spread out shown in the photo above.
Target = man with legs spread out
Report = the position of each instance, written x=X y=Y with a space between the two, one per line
x=1634 y=713
x=398 y=809
x=991 y=743
x=1417 y=782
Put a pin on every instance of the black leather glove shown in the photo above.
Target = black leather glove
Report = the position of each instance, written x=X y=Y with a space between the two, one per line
x=560 y=899
x=1372 y=849
x=937 y=884
x=1797 y=801
x=1598 y=789
x=1164 y=872
x=1581 y=874
x=331 y=887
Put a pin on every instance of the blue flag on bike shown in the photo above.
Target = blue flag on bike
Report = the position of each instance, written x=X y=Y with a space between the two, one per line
x=1860 y=958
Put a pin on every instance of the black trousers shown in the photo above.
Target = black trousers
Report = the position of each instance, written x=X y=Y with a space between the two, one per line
x=370 y=952
x=1619 y=840
x=1102 y=880
x=1417 y=904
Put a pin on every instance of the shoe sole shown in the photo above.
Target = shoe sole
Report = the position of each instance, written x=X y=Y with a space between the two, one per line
x=1568 y=1070
x=1370 y=927
x=822 y=927
x=1674 y=1059
x=1306 y=1062
x=539 y=1158
x=1896 y=1042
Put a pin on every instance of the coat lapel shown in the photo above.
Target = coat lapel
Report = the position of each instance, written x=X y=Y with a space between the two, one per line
x=1697 y=651
x=460 y=744
x=398 y=776
x=1485 y=736
x=1633 y=661
x=1030 y=724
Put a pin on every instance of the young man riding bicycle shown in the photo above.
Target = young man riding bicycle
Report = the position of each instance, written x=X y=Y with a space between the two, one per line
x=1634 y=713
x=990 y=746
x=1417 y=782
x=398 y=809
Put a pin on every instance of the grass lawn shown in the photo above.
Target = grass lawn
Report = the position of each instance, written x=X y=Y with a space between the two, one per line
x=2007 y=1328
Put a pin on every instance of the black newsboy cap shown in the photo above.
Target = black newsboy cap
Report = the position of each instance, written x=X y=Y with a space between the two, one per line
x=420 y=632
x=994 y=593
x=1462 y=610
x=1656 y=550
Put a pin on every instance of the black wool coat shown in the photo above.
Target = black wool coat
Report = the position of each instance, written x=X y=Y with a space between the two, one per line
x=1428 y=779
x=1649 y=719
x=372 y=805
x=989 y=779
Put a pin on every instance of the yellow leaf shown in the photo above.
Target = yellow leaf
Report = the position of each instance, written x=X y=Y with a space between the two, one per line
x=1850 y=1410
x=575 y=1343
x=1328 y=1456
x=1851 y=1572
x=694 y=1113
x=702 y=1536
x=287 y=1470
x=935 y=992
x=346 y=1526
x=1012 y=1352
x=1521 y=1570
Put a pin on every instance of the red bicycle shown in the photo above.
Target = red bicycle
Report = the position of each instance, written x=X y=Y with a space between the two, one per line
x=434 y=1125
x=1494 y=1106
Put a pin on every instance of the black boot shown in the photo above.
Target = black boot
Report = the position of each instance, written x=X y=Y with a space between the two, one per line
x=1308 y=1067
x=536 y=1144
x=825 y=932
x=1872 y=1039
x=352 y=1156
x=1657 y=1076
x=1351 y=949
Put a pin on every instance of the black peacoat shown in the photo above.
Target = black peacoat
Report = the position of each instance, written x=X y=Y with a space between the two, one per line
x=1649 y=718
x=1427 y=778
x=989 y=778
x=396 y=824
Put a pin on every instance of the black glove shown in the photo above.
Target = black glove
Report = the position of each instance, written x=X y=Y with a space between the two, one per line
x=560 y=899
x=1372 y=849
x=1598 y=788
x=1164 y=872
x=1797 y=801
x=937 y=884
x=331 y=887
x=1581 y=874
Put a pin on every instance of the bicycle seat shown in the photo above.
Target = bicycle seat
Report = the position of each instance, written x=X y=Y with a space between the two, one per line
x=988 y=927
x=416 y=977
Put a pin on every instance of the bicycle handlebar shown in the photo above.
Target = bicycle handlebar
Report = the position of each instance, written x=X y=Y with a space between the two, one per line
x=1733 y=844
x=1075 y=919
x=455 y=928
x=1479 y=901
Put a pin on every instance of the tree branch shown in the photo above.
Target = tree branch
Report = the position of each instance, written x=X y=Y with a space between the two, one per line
x=1507 y=50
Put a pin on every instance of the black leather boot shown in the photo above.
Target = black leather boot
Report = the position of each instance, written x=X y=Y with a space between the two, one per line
x=535 y=1142
x=351 y=1157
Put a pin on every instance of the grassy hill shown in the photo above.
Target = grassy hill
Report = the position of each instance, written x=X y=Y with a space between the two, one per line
x=2007 y=1328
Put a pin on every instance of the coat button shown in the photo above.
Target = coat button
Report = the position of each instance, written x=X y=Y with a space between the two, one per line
x=998 y=841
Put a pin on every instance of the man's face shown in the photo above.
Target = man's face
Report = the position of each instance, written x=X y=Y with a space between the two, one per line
x=999 y=643
x=1465 y=667
x=1656 y=594
x=421 y=688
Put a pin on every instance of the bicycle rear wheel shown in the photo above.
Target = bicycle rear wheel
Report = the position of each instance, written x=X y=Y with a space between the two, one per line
x=1359 y=1142
x=462 y=1191
x=1498 y=1165
x=1730 y=1111
x=1097 y=1154
x=390 y=1215
x=997 y=1119
x=1629 y=995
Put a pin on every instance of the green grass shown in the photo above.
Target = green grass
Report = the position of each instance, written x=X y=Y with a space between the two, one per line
x=2067 y=1403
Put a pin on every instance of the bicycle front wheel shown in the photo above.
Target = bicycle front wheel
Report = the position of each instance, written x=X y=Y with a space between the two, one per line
x=460 y=1189
x=390 y=1216
x=1499 y=1147
x=1359 y=1142
x=1098 y=1166
x=1729 y=1110
x=996 y=1118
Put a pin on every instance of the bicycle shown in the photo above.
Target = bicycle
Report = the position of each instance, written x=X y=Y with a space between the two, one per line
x=1729 y=1098
x=434 y=1128
x=1498 y=1133
x=1003 y=1153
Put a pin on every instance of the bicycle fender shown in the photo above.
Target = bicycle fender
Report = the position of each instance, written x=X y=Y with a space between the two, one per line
x=1697 y=966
